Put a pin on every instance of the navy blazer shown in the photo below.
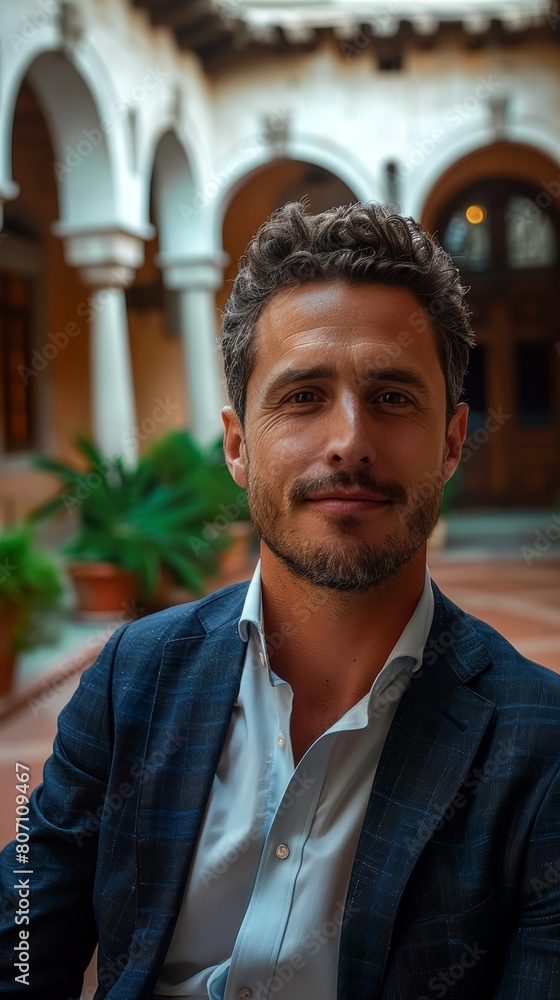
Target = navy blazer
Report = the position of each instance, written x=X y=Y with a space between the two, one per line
x=455 y=887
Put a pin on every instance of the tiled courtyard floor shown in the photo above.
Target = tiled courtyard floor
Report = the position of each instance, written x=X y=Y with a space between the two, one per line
x=520 y=601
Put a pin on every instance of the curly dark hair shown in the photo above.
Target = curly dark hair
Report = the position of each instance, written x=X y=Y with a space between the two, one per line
x=360 y=244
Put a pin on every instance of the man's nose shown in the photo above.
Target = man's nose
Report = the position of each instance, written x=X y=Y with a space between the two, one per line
x=350 y=440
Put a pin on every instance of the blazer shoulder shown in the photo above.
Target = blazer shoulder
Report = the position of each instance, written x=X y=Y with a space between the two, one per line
x=512 y=667
x=133 y=654
x=190 y=619
x=482 y=652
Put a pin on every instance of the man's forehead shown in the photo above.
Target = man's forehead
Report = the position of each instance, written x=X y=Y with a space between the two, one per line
x=337 y=314
x=337 y=301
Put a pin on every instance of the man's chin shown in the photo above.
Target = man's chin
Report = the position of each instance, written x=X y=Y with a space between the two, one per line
x=347 y=571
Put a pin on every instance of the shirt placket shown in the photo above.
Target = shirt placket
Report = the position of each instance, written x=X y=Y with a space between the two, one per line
x=261 y=934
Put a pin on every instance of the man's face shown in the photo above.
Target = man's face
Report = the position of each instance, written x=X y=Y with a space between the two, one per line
x=345 y=447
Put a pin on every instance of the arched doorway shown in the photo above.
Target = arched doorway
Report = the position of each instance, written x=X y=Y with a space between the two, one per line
x=504 y=233
x=23 y=393
x=44 y=384
x=267 y=189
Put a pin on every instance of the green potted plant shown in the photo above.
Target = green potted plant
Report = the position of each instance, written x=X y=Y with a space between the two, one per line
x=30 y=586
x=231 y=517
x=226 y=527
x=136 y=524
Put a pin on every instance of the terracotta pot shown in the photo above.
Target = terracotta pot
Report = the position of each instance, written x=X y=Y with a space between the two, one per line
x=9 y=621
x=103 y=589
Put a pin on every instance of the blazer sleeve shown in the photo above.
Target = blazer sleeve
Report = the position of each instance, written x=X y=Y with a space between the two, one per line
x=532 y=962
x=63 y=824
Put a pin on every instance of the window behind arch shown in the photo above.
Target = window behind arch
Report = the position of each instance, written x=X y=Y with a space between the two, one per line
x=498 y=228
x=530 y=239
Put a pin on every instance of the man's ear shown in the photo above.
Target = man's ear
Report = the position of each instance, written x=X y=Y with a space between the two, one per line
x=234 y=446
x=456 y=433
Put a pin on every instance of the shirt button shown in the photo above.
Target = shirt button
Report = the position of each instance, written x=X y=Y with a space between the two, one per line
x=282 y=851
x=281 y=741
x=245 y=994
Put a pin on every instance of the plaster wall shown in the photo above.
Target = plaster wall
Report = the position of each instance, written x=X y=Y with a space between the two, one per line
x=425 y=117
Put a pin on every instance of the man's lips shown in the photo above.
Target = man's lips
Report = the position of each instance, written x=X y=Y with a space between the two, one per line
x=349 y=501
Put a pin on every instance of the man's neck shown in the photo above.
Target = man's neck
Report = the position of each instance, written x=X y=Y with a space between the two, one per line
x=329 y=645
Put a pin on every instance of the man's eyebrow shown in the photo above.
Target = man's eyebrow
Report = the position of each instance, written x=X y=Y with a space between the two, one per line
x=403 y=375
x=292 y=375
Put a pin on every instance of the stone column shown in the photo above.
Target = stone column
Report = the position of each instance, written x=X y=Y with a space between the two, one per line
x=107 y=263
x=114 y=407
x=195 y=282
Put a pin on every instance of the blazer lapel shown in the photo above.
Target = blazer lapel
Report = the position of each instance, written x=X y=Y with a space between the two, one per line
x=429 y=750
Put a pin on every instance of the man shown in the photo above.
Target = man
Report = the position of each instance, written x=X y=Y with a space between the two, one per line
x=331 y=783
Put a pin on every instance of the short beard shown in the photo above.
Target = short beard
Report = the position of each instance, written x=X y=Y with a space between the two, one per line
x=344 y=566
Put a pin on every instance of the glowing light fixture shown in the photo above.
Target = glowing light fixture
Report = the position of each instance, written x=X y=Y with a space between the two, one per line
x=475 y=214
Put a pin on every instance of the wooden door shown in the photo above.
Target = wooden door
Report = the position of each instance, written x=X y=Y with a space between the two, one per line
x=505 y=238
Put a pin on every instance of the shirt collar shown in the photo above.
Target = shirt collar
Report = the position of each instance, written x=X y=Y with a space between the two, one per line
x=252 y=607
x=407 y=654
x=409 y=646
x=413 y=637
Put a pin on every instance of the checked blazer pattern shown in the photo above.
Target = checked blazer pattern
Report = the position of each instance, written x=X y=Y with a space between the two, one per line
x=453 y=889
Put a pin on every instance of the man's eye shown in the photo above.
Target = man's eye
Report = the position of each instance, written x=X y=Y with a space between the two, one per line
x=303 y=396
x=392 y=398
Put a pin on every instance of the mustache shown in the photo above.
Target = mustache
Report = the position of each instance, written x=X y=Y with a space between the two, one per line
x=360 y=479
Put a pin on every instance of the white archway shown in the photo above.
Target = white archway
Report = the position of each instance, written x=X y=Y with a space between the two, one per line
x=327 y=155
x=173 y=172
x=94 y=132
x=86 y=155
x=173 y=187
x=86 y=188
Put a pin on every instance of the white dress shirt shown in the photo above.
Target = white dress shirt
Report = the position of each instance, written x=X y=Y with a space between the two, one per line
x=264 y=900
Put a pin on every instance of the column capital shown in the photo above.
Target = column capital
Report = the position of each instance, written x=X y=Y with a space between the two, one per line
x=104 y=256
x=115 y=276
x=205 y=271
